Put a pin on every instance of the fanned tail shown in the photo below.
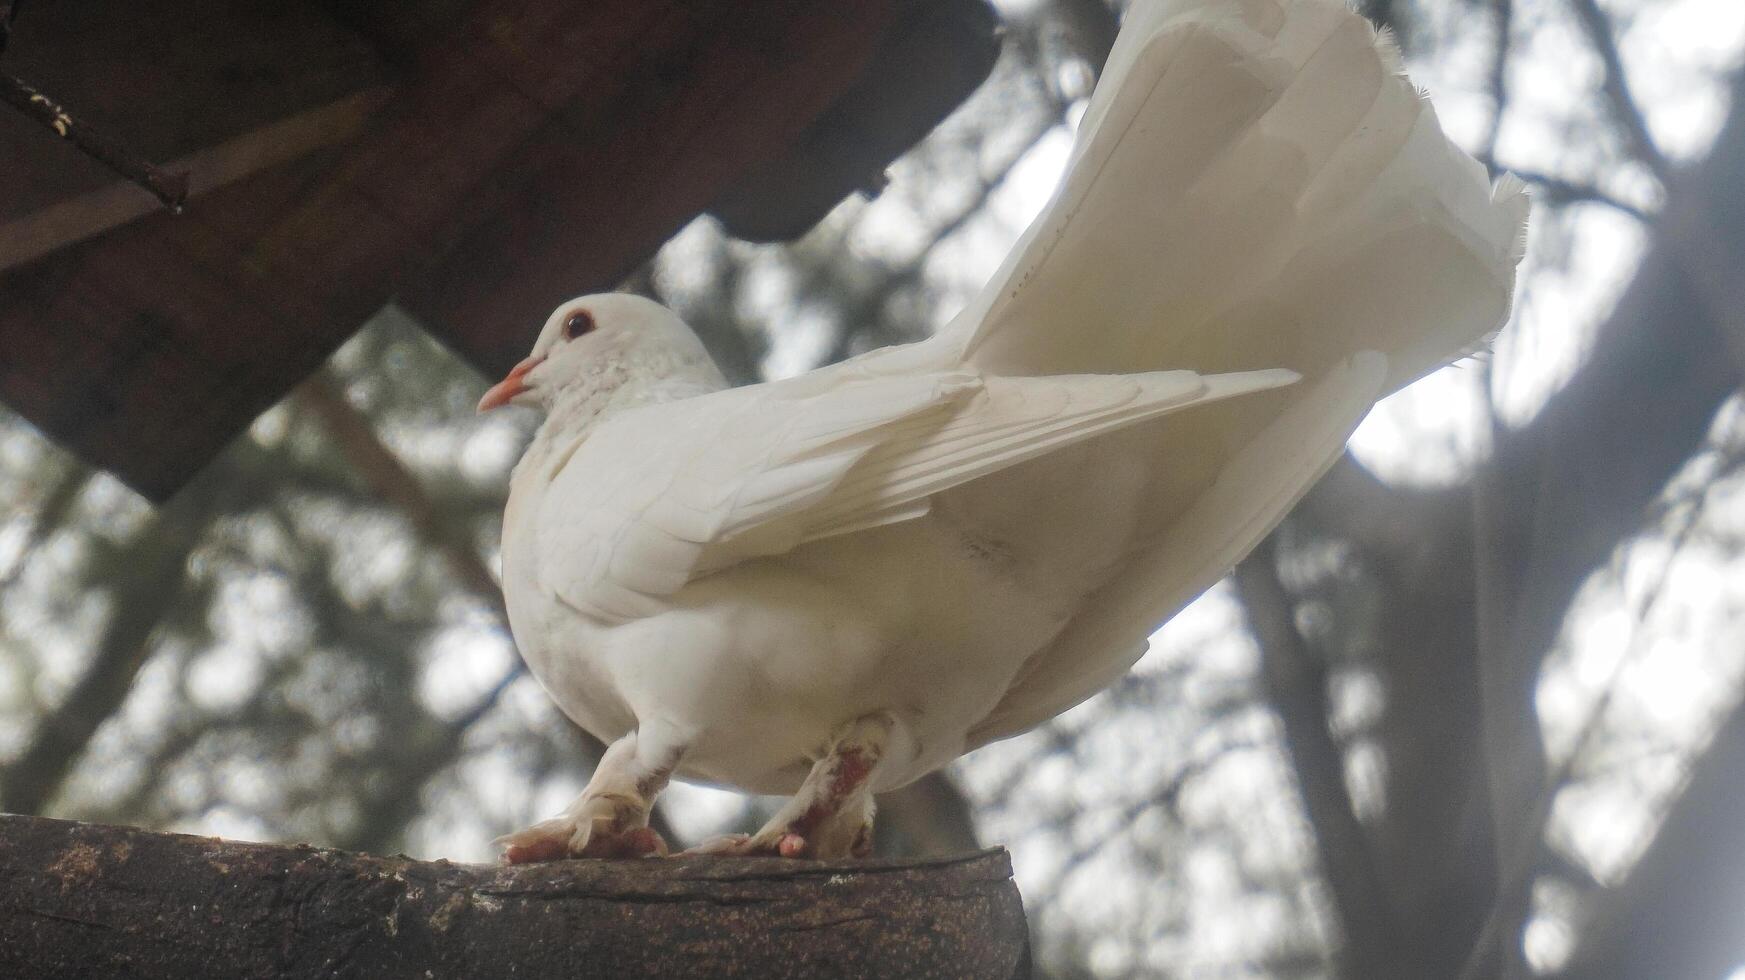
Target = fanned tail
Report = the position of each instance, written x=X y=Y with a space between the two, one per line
x=1255 y=185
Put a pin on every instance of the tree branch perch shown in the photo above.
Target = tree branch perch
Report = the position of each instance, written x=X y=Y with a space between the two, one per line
x=83 y=900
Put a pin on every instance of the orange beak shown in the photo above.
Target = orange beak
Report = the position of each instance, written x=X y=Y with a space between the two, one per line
x=509 y=387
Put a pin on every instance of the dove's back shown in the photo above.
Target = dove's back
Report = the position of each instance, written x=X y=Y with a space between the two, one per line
x=1255 y=185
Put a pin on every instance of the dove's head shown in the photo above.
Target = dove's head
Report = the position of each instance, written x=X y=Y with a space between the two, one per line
x=601 y=341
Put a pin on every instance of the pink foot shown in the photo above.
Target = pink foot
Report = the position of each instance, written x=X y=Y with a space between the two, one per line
x=555 y=840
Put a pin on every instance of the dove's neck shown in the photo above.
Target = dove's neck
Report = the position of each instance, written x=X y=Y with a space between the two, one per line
x=606 y=388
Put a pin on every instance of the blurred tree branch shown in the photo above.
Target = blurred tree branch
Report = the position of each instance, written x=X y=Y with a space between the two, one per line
x=864 y=317
x=1557 y=191
x=1626 y=111
x=1401 y=523
x=1296 y=686
x=1502 y=28
x=1575 y=482
x=1667 y=358
x=388 y=810
x=57 y=502
x=1090 y=27
x=150 y=573
x=1390 y=15
x=928 y=817
x=1677 y=913
x=393 y=483
x=1559 y=495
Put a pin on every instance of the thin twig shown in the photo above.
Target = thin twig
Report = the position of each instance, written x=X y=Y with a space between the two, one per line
x=1161 y=798
x=8 y=13
x=1499 y=78
x=170 y=189
x=1560 y=190
x=1296 y=689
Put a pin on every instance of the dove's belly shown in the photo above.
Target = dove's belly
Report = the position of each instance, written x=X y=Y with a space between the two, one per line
x=755 y=667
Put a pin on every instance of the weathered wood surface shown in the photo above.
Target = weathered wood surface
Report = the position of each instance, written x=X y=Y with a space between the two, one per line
x=85 y=901
x=168 y=78
x=527 y=151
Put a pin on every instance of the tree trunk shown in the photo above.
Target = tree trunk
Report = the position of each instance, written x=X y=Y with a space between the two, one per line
x=1681 y=911
x=82 y=900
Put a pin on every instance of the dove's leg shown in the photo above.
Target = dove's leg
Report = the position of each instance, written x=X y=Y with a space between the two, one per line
x=610 y=818
x=831 y=816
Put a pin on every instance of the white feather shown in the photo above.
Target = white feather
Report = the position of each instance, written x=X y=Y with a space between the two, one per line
x=698 y=485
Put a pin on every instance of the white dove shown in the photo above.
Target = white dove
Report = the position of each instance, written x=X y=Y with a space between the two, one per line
x=832 y=585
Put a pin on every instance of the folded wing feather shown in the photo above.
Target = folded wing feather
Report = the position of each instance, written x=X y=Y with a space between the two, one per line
x=763 y=470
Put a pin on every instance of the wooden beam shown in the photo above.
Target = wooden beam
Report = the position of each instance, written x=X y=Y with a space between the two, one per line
x=928 y=63
x=79 y=900
x=91 y=213
x=533 y=149
x=134 y=347
x=169 y=78
x=650 y=138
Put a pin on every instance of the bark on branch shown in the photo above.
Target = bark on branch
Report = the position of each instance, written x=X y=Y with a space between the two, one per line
x=83 y=900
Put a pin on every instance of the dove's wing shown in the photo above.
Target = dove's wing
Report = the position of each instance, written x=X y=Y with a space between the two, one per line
x=660 y=495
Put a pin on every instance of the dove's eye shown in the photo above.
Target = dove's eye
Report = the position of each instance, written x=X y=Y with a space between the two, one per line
x=580 y=322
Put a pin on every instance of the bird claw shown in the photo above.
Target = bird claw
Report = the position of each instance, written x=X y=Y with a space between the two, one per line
x=564 y=837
